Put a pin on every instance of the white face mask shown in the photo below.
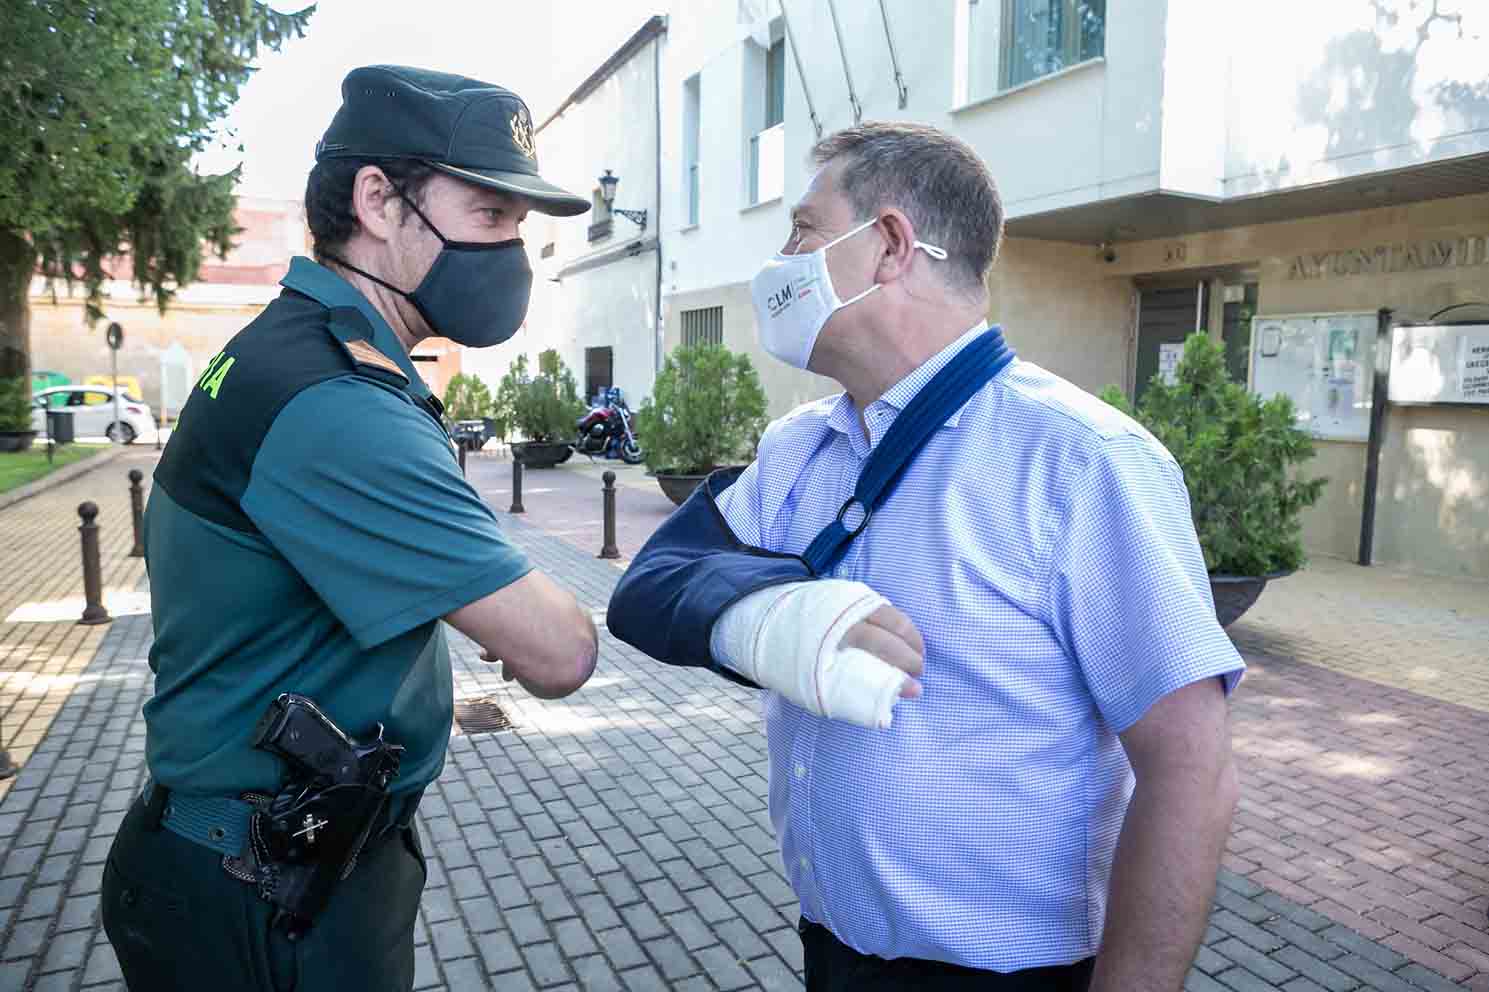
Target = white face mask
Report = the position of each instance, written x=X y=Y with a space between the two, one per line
x=794 y=298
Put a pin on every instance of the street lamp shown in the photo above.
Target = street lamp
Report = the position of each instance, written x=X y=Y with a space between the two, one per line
x=608 y=183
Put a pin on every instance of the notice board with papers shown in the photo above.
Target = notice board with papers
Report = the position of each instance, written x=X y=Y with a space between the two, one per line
x=1325 y=362
x=1440 y=363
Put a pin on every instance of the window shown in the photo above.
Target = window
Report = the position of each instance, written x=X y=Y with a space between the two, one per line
x=1045 y=36
x=601 y=220
x=703 y=326
x=765 y=116
x=692 y=108
x=775 y=83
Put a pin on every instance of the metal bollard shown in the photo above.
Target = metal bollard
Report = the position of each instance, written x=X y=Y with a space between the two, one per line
x=460 y=453
x=516 y=487
x=609 y=550
x=137 y=512
x=93 y=612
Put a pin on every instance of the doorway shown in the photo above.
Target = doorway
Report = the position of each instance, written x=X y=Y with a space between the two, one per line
x=1166 y=316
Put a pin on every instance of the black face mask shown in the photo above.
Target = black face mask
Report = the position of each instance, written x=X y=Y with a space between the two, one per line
x=475 y=293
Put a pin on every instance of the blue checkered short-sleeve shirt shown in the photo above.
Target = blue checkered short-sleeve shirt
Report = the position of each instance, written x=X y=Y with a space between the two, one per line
x=1042 y=544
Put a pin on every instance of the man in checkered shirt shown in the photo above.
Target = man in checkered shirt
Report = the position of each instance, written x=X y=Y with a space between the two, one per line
x=998 y=733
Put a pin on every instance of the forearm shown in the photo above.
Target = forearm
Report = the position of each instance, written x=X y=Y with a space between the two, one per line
x=1163 y=880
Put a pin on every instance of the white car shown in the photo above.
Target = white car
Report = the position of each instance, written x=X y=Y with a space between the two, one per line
x=92 y=412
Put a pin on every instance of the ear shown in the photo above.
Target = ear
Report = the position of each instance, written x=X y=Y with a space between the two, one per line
x=899 y=245
x=374 y=203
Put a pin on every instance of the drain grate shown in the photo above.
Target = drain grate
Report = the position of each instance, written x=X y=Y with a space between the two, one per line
x=481 y=716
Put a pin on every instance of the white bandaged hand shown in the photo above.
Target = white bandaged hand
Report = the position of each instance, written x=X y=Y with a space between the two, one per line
x=789 y=638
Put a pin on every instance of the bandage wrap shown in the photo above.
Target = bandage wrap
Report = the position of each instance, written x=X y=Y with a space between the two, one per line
x=789 y=638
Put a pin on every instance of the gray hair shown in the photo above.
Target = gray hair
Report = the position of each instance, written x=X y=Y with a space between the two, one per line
x=934 y=177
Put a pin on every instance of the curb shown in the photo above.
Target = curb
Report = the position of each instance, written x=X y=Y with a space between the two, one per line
x=60 y=476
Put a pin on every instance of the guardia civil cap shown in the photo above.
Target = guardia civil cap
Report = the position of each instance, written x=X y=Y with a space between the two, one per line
x=471 y=130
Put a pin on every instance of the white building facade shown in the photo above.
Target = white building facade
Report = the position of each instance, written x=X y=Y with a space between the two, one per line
x=1165 y=166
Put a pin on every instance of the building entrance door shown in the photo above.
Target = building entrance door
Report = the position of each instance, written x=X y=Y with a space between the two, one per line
x=1166 y=316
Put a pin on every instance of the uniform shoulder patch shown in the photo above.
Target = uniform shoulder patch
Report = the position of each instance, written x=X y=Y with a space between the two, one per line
x=364 y=353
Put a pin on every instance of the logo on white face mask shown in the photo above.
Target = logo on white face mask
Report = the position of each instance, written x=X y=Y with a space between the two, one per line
x=794 y=297
x=778 y=302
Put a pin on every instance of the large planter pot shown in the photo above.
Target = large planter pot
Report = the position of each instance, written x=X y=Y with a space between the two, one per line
x=1235 y=594
x=541 y=454
x=16 y=440
x=678 y=487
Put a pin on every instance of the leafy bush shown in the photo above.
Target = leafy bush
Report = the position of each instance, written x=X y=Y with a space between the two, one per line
x=540 y=407
x=467 y=398
x=1240 y=456
x=15 y=404
x=706 y=410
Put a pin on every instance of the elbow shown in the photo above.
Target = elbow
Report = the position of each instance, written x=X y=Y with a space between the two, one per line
x=571 y=665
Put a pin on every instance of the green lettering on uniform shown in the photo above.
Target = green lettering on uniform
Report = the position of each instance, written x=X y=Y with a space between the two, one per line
x=213 y=384
x=202 y=379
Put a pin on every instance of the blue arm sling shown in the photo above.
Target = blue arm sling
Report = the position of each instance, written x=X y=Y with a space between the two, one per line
x=693 y=568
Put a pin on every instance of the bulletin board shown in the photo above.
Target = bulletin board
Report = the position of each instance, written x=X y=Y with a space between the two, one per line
x=1440 y=363
x=1325 y=362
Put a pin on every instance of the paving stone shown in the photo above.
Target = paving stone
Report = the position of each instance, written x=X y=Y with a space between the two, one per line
x=481 y=914
x=526 y=926
x=642 y=980
x=725 y=970
x=574 y=938
x=1316 y=970
x=621 y=948
x=450 y=940
x=671 y=958
x=68 y=951
x=465 y=975
x=1254 y=961
x=426 y=972
x=546 y=963
x=1366 y=948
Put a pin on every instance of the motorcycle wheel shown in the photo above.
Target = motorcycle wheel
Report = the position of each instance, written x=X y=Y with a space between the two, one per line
x=630 y=453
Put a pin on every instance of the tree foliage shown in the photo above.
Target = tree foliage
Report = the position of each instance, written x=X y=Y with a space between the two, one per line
x=467 y=398
x=103 y=104
x=706 y=410
x=542 y=407
x=1241 y=457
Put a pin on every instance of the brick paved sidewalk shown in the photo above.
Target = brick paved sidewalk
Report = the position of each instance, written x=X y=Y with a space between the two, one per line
x=42 y=649
x=619 y=839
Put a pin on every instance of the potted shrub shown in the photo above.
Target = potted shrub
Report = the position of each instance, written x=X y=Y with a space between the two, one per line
x=16 y=432
x=706 y=411
x=544 y=407
x=1241 y=457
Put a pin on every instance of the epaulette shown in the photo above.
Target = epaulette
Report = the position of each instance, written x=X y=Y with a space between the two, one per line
x=353 y=332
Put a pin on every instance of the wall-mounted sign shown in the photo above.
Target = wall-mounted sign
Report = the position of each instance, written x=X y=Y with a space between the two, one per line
x=1440 y=363
x=1409 y=256
x=1323 y=362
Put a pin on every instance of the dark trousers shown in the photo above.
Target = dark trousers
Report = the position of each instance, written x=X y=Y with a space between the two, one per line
x=178 y=921
x=833 y=966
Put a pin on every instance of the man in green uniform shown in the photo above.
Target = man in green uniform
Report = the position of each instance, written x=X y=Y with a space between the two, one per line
x=308 y=530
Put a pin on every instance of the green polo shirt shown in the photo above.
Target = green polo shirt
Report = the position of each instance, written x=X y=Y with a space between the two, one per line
x=308 y=527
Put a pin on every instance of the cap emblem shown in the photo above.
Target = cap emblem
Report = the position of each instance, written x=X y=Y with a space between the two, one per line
x=522 y=133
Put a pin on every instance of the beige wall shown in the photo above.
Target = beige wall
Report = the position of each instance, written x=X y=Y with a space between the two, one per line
x=62 y=342
x=1432 y=511
x=785 y=387
x=1061 y=307
x=1432 y=505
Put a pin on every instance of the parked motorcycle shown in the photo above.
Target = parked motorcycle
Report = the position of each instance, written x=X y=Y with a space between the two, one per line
x=607 y=430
